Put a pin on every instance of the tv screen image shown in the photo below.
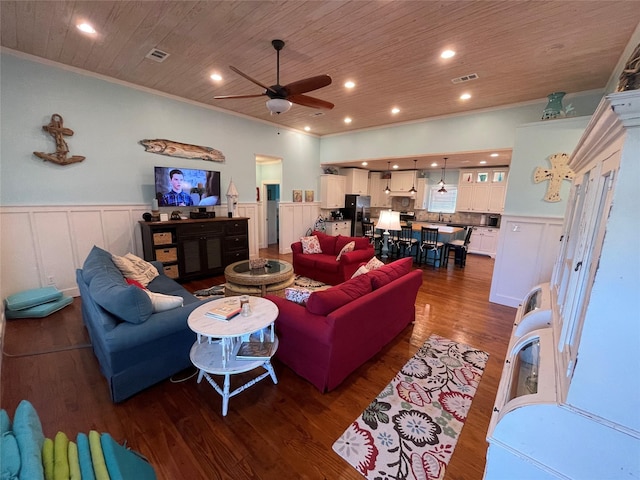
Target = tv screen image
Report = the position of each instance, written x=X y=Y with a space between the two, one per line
x=187 y=187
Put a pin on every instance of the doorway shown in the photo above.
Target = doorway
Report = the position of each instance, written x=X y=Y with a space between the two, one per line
x=269 y=180
x=272 y=196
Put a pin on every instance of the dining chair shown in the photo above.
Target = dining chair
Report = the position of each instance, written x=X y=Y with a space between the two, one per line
x=429 y=245
x=406 y=242
x=459 y=247
x=369 y=231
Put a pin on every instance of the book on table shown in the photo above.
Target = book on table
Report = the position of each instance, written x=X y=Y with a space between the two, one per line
x=255 y=350
x=224 y=311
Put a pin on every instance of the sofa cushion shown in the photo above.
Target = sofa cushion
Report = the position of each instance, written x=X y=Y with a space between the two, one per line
x=388 y=273
x=74 y=462
x=136 y=268
x=97 y=260
x=326 y=301
x=40 y=311
x=9 y=452
x=327 y=242
x=326 y=263
x=61 y=456
x=349 y=247
x=33 y=297
x=127 y=302
x=360 y=243
x=84 y=457
x=28 y=432
x=162 y=302
x=97 y=456
x=310 y=245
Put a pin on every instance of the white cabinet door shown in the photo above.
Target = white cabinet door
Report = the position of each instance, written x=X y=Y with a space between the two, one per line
x=481 y=194
x=464 y=202
x=422 y=197
x=496 y=198
x=484 y=240
x=342 y=227
x=357 y=181
x=376 y=190
x=402 y=181
x=332 y=190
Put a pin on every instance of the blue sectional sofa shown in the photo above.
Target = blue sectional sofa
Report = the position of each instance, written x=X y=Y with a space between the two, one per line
x=136 y=348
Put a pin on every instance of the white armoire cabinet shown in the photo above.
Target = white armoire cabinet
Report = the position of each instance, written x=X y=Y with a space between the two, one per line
x=569 y=397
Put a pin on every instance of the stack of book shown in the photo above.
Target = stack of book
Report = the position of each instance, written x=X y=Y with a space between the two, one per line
x=255 y=351
x=225 y=311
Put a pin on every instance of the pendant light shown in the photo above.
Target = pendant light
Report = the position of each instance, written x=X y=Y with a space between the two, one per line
x=441 y=182
x=387 y=190
x=413 y=190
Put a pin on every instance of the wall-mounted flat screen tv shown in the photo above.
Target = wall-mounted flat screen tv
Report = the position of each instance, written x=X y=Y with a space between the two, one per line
x=187 y=187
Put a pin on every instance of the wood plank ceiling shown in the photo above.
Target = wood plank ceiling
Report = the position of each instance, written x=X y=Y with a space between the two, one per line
x=521 y=51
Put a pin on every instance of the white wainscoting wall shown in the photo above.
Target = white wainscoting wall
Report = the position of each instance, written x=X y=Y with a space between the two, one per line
x=527 y=250
x=295 y=219
x=44 y=245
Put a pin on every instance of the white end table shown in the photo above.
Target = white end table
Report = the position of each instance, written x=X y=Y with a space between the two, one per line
x=218 y=341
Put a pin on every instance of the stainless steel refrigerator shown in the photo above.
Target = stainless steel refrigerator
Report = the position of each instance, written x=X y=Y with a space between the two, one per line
x=356 y=208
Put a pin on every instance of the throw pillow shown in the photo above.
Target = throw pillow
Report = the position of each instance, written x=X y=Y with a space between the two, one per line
x=161 y=302
x=131 y=281
x=297 y=295
x=310 y=244
x=28 y=432
x=326 y=301
x=347 y=248
x=97 y=456
x=374 y=263
x=135 y=268
x=60 y=456
x=360 y=271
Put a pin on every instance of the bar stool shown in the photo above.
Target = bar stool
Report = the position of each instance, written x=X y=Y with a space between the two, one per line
x=429 y=243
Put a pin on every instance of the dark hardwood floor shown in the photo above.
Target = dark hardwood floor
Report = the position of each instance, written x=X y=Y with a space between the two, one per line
x=281 y=431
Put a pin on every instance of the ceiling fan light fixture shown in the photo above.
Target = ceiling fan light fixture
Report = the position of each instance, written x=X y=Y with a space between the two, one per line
x=278 y=105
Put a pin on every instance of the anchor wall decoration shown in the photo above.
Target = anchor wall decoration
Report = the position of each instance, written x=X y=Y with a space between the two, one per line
x=56 y=129
x=558 y=172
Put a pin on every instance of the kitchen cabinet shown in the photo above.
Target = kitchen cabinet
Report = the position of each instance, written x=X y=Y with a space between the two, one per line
x=357 y=181
x=195 y=248
x=340 y=227
x=484 y=240
x=482 y=190
x=332 y=191
x=377 y=185
x=402 y=181
x=422 y=196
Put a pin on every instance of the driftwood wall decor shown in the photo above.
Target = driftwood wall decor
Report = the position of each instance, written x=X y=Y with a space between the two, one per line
x=58 y=131
x=558 y=172
x=182 y=150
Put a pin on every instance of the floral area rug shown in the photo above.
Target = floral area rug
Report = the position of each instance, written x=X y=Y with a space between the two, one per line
x=410 y=429
x=309 y=283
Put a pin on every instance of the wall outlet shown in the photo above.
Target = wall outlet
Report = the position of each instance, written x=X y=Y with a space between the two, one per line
x=50 y=280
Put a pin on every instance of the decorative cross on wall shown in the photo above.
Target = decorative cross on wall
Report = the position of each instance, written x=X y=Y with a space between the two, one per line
x=558 y=172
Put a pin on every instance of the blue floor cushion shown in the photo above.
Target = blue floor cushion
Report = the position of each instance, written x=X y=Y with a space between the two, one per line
x=40 y=311
x=33 y=297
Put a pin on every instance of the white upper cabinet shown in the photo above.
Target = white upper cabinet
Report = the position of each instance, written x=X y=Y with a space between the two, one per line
x=357 y=181
x=402 y=181
x=377 y=185
x=332 y=191
x=422 y=197
x=482 y=190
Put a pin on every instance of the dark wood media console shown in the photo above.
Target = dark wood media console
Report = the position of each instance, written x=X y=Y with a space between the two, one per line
x=190 y=249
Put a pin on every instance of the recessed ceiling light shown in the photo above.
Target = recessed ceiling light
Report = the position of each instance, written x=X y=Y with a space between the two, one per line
x=347 y=120
x=307 y=128
x=465 y=96
x=349 y=84
x=216 y=77
x=395 y=110
x=395 y=166
x=494 y=154
x=434 y=164
x=364 y=164
x=482 y=162
x=86 y=28
x=447 y=54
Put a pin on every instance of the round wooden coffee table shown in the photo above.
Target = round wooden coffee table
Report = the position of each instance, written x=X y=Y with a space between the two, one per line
x=273 y=278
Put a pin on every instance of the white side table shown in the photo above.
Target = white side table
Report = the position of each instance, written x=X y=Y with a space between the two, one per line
x=218 y=341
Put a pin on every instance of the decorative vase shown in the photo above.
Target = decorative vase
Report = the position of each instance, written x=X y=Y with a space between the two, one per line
x=554 y=108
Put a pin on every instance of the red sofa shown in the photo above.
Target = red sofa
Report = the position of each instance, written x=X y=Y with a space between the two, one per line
x=323 y=266
x=342 y=327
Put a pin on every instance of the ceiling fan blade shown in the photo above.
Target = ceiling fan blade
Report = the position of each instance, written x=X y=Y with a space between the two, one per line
x=307 y=85
x=222 y=97
x=310 y=102
x=251 y=79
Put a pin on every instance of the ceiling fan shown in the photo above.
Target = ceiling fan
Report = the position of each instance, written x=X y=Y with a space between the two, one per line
x=281 y=97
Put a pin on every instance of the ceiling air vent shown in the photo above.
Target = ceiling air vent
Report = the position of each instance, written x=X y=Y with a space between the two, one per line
x=157 y=55
x=465 y=78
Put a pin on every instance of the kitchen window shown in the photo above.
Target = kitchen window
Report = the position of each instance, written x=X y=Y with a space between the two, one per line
x=442 y=202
